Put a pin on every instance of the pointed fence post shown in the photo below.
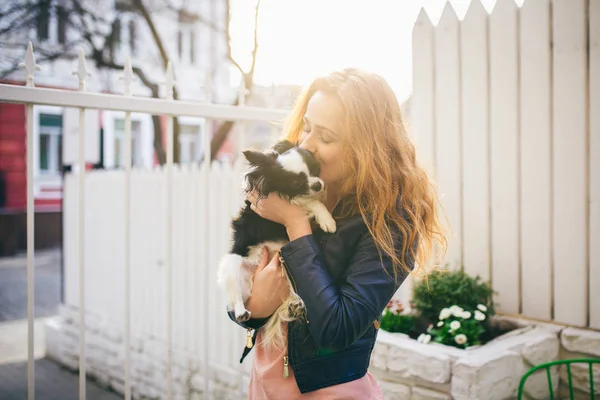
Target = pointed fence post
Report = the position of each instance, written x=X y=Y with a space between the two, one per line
x=30 y=66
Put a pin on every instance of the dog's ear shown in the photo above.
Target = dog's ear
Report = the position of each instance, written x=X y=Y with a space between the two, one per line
x=283 y=146
x=258 y=159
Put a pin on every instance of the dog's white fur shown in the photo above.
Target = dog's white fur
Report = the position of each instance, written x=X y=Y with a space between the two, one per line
x=236 y=274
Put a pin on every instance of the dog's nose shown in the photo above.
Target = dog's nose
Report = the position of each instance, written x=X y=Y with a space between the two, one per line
x=317 y=186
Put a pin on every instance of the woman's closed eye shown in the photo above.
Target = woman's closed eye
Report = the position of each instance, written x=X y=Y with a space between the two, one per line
x=325 y=138
x=322 y=136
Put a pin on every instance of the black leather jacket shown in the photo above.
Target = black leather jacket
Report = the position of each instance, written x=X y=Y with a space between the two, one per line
x=345 y=289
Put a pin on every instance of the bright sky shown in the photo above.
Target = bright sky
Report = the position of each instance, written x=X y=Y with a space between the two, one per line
x=302 y=39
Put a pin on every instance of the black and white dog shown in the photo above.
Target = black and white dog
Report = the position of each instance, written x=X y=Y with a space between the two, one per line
x=292 y=173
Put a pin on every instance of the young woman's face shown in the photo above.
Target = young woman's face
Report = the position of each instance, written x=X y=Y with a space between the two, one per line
x=322 y=136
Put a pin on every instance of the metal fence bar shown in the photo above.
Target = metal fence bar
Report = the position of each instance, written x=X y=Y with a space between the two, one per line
x=30 y=258
x=81 y=74
x=206 y=162
x=30 y=67
x=128 y=78
x=169 y=96
x=242 y=144
x=65 y=98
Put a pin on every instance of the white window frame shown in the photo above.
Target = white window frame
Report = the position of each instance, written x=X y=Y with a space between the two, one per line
x=124 y=48
x=52 y=39
x=53 y=178
x=194 y=140
x=142 y=153
x=136 y=156
x=187 y=30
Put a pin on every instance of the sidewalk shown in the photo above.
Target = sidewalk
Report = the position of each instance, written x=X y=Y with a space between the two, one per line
x=13 y=285
x=52 y=382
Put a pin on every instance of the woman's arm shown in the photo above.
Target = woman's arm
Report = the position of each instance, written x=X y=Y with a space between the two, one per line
x=339 y=314
x=269 y=289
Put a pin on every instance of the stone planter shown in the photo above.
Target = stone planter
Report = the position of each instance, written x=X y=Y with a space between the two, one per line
x=407 y=369
x=404 y=368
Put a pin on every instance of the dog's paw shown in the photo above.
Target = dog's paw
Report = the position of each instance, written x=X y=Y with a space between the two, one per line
x=243 y=317
x=327 y=225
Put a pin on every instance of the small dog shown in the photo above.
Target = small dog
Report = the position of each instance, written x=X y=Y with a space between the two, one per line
x=292 y=173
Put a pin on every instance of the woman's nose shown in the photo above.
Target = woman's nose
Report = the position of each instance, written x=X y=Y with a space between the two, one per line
x=308 y=144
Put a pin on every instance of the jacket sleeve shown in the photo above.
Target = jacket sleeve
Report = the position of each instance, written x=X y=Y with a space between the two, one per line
x=339 y=313
x=252 y=323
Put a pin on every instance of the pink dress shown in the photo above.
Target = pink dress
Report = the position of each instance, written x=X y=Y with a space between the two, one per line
x=268 y=383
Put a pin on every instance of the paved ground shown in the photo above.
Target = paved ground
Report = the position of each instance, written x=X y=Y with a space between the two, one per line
x=52 y=381
x=13 y=285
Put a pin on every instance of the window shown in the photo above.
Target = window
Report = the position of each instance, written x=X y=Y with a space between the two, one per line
x=132 y=37
x=188 y=142
x=62 y=17
x=193 y=46
x=123 y=5
x=115 y=42
x=43 y=20
x=180 y=44
x=187 y=37
x=119 y=143
x=50 y=144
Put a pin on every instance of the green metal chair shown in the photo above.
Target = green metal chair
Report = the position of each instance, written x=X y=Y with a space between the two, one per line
x=568 y=362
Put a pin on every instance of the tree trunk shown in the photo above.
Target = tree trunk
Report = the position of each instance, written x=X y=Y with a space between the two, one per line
x=161 y=156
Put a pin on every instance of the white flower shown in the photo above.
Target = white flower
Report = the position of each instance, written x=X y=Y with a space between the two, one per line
x=457 y=312
x=479 y=316
x=429 y=328
x=465 y=315
x=482 y=307
x=425 y=339
x=440 y=324
x=460 y=339
x=445 y=313
x=454 y=325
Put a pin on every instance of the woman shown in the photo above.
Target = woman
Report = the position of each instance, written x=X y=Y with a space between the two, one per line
x=387 y=218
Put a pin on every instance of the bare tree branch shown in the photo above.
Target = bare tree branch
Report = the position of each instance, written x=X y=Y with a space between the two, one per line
x=255 y=48
x=228 y=36
x=224 y=129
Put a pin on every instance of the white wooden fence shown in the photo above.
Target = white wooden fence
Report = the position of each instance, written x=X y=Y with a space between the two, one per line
x=506 y=111
x=204 y=199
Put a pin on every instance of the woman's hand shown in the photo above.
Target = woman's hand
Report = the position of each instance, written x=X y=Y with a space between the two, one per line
x=270 y=287
x=276 y=209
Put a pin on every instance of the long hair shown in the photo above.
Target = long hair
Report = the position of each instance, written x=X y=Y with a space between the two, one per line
x=388 y=187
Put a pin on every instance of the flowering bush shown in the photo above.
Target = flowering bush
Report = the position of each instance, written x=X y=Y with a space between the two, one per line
x=443 y=288
x=393 y=319
x=450 y=308
x=458 y=327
